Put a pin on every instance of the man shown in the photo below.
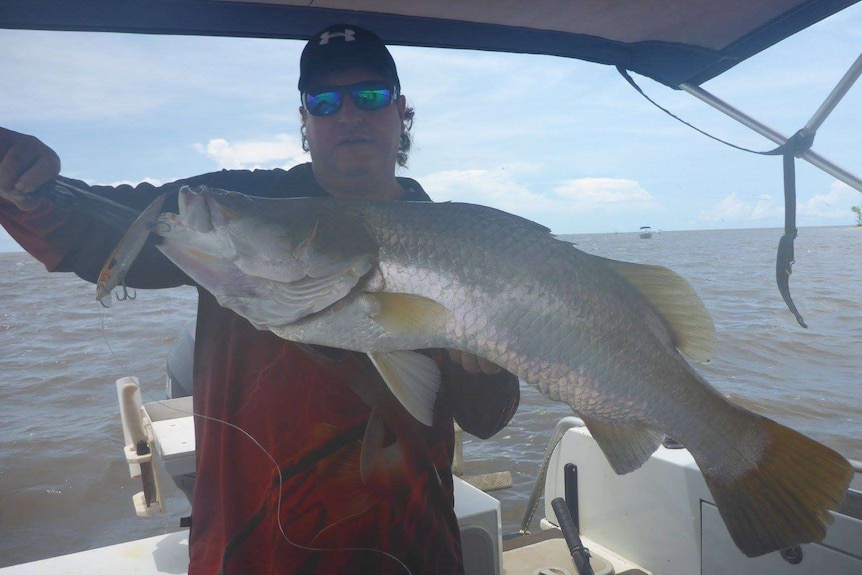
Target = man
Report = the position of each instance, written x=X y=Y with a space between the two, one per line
x=337 y=478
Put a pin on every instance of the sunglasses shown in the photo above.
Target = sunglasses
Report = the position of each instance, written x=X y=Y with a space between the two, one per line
x=365 y=95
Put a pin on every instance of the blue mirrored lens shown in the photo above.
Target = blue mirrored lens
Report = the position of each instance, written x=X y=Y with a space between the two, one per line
x=324 y=103
x=373 y=99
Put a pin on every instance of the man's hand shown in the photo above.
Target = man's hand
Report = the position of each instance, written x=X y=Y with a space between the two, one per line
x=25 y=164
x=472 y=363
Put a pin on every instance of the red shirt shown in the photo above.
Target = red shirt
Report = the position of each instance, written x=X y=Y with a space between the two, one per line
x=280 y=431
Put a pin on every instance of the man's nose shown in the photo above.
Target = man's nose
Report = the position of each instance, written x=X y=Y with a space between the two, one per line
x=350 y=112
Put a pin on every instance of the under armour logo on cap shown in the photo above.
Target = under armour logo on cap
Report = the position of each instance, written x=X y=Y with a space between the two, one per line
x=348 y=35
x=343 y=45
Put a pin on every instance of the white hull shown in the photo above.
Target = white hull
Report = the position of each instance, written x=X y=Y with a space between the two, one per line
x=659 y=520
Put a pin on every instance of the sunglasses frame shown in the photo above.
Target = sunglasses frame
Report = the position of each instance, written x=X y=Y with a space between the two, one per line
x=351 y=90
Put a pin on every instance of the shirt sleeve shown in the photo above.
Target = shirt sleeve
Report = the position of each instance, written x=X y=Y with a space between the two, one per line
x=76 y=241
x=45 y=232
x=69 y=241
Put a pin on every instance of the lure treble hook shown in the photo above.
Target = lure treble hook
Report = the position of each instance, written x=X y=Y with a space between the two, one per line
x=126 y=294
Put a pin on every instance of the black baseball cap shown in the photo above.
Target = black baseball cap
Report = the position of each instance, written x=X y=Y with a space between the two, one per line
x=343 y=45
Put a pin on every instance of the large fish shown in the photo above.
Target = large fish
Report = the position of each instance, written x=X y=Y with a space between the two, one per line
x=600 y=335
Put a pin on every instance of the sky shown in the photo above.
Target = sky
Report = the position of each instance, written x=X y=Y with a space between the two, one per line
x=566 y=143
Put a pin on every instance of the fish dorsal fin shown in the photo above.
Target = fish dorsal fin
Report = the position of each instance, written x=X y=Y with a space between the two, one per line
x=676 y=301
x=407 y=314
x=625 y=447
x=414 y=380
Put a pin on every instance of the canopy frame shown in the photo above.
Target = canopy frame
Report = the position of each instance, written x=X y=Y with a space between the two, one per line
x=670 y=41
x=809 y=130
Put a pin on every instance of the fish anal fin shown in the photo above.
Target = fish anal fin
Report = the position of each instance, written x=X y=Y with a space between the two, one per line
x=784 y=497
x=413 y=378
x=400 y=313
x=625 y=447
x=676 y=301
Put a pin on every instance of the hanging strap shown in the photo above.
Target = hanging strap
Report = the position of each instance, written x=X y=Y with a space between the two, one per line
x=784 y=259
x=795 y=145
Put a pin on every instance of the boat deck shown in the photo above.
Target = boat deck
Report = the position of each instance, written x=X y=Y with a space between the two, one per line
x=663 y=518
x=547 y=552
x=544 y=552
x=159 y=555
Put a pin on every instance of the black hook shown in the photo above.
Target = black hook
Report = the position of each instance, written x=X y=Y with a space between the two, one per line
x=126 y=295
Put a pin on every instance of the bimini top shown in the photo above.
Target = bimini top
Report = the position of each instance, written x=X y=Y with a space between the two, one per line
x=670 y=41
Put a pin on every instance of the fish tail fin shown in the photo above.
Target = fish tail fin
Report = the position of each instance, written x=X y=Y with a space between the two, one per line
x=783 y=498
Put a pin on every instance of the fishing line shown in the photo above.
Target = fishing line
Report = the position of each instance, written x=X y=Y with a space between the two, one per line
x=257 y=444
x=108 y=343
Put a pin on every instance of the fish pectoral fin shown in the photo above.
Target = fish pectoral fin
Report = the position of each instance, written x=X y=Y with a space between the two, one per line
x=401 y=313
x=625 y=447
x=413 y=378
x=676 y=302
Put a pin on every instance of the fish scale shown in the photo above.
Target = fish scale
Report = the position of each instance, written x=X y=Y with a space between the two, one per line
x=543 y=347
x=557 y=307
x=385 y=278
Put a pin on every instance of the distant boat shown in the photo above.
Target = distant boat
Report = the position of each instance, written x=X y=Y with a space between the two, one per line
x=645 y=233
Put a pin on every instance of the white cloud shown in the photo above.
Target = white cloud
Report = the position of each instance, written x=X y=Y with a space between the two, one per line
x=605 y=195
x=501 y=188
x=496 y=188
x=834 y=204
x=283 y=150
x=734 y=209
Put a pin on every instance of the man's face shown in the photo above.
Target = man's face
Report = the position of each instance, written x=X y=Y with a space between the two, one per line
x=354 y=143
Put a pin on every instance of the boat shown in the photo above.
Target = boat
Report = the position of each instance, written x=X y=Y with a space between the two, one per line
x=659 y=521
x=645 y=233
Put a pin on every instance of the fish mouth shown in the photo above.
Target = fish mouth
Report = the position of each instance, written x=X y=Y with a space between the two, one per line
x=202 y=209
x=196 y=209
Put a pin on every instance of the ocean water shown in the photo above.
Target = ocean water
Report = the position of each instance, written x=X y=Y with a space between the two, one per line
x=65 y=487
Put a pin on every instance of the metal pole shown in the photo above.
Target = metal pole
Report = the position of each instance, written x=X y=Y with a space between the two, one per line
x=562 y=427
x=832 y=100
x=809 y=155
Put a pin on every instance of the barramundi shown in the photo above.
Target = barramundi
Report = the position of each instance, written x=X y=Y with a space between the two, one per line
x=602 y=336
